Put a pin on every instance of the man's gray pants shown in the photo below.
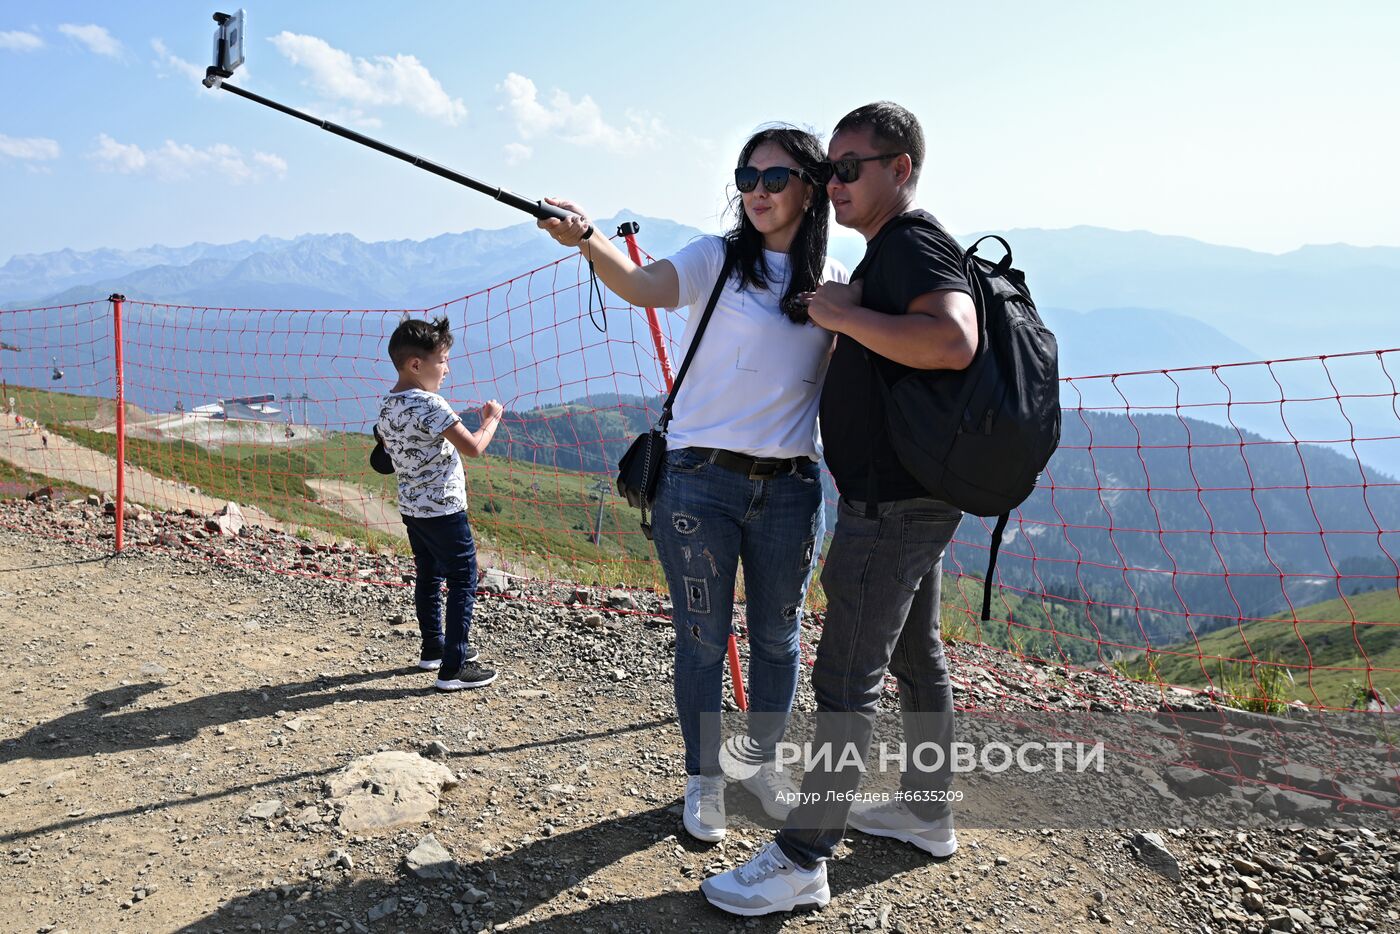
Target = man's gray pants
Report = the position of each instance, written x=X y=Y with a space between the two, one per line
x=882 y=579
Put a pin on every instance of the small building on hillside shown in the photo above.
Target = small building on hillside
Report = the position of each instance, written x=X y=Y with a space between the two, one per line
x=258 y=408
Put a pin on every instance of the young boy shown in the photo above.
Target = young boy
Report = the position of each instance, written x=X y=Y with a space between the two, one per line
x=423 y=436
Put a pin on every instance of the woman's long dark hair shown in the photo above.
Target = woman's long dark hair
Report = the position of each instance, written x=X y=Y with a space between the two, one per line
x=807 y=255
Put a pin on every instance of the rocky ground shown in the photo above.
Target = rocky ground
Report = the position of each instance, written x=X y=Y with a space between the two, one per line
x=171 y=720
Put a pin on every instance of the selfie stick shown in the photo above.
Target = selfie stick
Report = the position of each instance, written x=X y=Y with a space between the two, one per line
x=223 y=68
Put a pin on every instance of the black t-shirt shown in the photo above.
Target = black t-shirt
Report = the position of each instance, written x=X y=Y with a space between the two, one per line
x=910 y=260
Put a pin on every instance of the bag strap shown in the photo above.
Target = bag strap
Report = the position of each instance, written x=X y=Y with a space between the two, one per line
x=881 y=390
x=730 y=259
x=992 y=566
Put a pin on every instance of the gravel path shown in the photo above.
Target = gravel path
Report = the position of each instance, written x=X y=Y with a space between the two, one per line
x=149 y=703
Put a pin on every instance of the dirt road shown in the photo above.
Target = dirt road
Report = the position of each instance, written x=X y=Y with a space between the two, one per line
x=64 y=460
x=355 y=502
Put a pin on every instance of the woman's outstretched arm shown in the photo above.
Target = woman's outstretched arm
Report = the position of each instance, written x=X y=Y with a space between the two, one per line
x=654 y=286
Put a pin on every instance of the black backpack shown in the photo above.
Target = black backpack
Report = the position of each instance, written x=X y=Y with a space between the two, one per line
x=978 y=438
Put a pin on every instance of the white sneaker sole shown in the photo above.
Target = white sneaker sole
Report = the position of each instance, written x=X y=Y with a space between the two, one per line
x=940 y=850
x=701 y=832
x=455 y=685
x=810 y=900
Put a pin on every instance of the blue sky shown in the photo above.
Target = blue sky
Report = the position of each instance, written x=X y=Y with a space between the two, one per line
x=1265 y=125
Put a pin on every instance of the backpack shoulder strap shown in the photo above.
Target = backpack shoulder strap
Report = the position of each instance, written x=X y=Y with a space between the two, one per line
x=899 y=222
x=880 y=389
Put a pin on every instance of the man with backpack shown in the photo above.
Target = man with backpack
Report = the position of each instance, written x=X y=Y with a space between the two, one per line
x=909 y=307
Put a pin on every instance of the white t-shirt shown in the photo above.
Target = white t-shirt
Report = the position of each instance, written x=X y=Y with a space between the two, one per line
x=428 y=467
x=755 y=383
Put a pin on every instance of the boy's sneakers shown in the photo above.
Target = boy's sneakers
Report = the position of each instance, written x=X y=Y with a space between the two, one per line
x=774 y=790
x=470 y=675
x=769 y=882
x=431 y=658
x=704 y=807
x=894 y=819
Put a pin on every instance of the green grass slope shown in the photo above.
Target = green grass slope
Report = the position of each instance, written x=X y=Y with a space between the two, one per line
x=1331 y=653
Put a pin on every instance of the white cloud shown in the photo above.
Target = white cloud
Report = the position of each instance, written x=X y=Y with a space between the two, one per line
x=395 y=81
x=272 y=162
x=34 y=147
x=119 y=157
x=97 y=39
x=20 y=41
x=172 y=62
x=580 y=122
x=517 y=153
x=174 y=161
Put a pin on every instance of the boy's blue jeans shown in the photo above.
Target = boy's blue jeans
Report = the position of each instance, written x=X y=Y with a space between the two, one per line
x=707 y=519
x=443 y=550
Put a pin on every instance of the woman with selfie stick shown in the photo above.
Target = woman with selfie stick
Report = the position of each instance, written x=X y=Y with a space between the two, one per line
x=740 y=485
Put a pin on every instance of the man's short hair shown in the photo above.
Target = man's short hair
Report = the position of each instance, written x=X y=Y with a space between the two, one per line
x=893 y=128
x=416 y=337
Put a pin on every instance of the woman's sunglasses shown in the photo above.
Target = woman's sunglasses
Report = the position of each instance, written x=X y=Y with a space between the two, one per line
x=848 y=170
x=775 y=179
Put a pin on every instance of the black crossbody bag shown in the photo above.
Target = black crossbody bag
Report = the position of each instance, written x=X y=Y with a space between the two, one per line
x=639 y=470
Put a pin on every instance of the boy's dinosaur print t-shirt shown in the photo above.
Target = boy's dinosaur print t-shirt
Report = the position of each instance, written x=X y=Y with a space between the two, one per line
x=429 y=469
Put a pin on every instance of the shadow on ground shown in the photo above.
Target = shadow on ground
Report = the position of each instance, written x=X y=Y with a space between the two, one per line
x=573 y=876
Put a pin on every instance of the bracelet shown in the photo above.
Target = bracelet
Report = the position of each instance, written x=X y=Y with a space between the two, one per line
x=587 y=232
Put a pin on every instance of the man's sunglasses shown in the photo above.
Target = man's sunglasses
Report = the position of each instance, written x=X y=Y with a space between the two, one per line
x=775 y=179
x=848 y=169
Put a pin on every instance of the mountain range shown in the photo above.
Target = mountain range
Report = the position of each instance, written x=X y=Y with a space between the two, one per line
x=1146 y=300
x=1119 y=301
x=310 y=271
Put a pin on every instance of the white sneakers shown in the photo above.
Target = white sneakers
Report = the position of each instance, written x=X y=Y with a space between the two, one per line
x=704 y=816
x=774 y=790
x=704 y=807
x=769 y=882
x=895 y=820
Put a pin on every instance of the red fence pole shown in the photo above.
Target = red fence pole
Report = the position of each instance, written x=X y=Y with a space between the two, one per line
x=628 y=232
x=116 y=301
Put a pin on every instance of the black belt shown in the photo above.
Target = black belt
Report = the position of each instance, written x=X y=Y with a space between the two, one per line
x=755 y=468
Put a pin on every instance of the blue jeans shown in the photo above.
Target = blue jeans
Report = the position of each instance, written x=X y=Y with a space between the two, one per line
x=882 y=578
x=706 y=520
x=444 y=551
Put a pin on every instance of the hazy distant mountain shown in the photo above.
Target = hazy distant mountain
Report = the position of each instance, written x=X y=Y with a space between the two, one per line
x=1330 y=298
x=1317 y=299
x=1120 y=300
x=312 y=271
x=1125 y=340
x=34 y=275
